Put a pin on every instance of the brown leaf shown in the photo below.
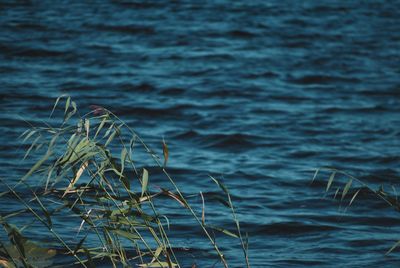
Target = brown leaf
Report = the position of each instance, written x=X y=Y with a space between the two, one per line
x=77 y=176
x=165 y=152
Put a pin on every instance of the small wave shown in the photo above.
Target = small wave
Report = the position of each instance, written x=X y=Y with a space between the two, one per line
x=173 y=91
x=322 y=79
x=38 y=53
x=231 y=141
x=143 y=87
x=241 y=34
x=290 y=228
x=129 y=29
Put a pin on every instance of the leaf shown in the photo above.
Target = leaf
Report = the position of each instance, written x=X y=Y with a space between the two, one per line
x=354 y=197
x=336 y=193
x=158 y=264
x=6 y=264
x=123 y=178
x=74 y=109
x=110 y=138
x=330 y=181
x=126 y=234
x=79 y=245
x=165 y=152
x=346 y=188
x=101 y=126
x=220 y=184
x=315 y=175
x=55 y=104
x=223 y=231
x=36 y=166
x=124 y=154
x=45 y=211
x=87 y=126
x=176 y=197
x=111 y=127
x=77 y=176
x=393 y=247
x=29 y=135
x=16 y=239
x=156 y=254
x=203 y=218
x=67 y=103
x=145 y=181
x=32 y=145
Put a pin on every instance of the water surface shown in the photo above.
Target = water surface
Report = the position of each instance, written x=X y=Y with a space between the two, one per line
x=256 y=92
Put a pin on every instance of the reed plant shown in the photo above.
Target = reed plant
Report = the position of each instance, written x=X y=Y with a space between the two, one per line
x=86 y=172
x=349 y=187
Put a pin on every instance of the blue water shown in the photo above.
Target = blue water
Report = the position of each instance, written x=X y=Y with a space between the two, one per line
x=257 y=92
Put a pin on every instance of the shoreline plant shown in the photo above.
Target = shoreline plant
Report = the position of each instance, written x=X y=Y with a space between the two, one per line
x=350 y=190
x=86 y=172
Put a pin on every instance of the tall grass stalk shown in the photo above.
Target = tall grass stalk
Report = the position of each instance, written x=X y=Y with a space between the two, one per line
x=82 y=176
x=351 y=182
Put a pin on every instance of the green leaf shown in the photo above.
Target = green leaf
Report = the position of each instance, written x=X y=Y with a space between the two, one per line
x=126 y=234
x=354 y=197
x=336 y=193
x=45 y=211
x=32 y=145
x=220 y=184
x=55 y=104
x=223 y=231
x=315 y=175
x=124 y=154
x=156 y=254
x=110 y=138
x=346 y=188
x=393 y=247
x=67 y=103
x=36 y=166
x=330 y=181
x=79 y=245
x=29 y=135
x=87 y=127
x=145 y=181
x=101 y=126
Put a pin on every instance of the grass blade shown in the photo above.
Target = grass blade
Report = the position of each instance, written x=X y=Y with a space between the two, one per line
x=145 y=181
x=330 y=181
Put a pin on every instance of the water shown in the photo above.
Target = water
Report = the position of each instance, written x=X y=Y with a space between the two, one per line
x=259 y=92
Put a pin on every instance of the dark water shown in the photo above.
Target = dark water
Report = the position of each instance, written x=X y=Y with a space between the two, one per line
x=260 y=92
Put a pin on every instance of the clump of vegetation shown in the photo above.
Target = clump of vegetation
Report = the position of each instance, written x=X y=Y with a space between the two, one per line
x=348 y=191
x=85 y=171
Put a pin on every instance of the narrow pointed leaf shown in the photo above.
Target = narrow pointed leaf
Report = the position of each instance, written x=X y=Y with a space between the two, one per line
x=346 y=188
x=79 y=245
x=393 y=247
x=77 y=176
x=354 y=197
x=223 y=231
x=330 y=181
x=156 y=254
x=315 y=175
x=128 y=235
x=145 y=181
x=165 y=152
x=67 y=103
x=36 y=166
